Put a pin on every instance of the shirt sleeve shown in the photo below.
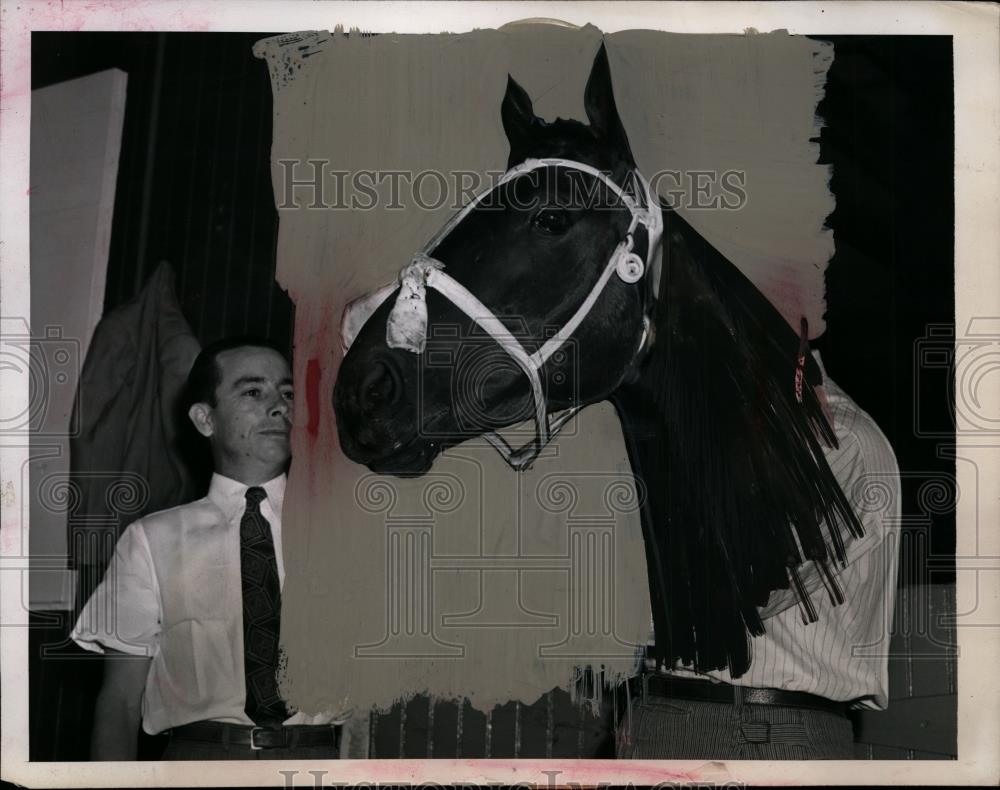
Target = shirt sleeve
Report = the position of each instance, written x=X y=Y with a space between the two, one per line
x=124 y=611
x=865 y=467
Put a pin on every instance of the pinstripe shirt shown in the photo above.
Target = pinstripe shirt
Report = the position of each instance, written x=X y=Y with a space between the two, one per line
x=844 y=655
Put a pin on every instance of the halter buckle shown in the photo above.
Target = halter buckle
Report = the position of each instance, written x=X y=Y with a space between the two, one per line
x=630 y=268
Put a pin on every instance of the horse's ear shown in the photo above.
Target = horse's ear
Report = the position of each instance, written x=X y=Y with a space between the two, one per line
x=516 y=112
x=602 y=112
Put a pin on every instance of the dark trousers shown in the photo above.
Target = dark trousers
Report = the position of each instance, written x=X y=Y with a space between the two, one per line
x=674 y=729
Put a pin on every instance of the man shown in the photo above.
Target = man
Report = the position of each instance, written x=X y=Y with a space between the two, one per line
x=189 y=608
x=791 y=704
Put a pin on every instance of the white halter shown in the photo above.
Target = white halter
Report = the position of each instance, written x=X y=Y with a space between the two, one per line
x=407 y=324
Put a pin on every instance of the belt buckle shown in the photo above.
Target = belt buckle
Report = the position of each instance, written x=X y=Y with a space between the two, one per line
x=253 y=738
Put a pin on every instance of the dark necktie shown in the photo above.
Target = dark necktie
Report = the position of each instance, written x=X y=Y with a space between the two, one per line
x=261 y=613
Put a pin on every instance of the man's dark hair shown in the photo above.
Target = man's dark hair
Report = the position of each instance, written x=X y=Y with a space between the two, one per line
x=205 y=377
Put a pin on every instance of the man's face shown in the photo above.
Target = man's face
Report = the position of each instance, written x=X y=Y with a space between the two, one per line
x=250 y=423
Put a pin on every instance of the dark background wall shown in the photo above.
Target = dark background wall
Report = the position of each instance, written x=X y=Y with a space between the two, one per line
x=889 y=136
x=194 y=179
x=194 y=189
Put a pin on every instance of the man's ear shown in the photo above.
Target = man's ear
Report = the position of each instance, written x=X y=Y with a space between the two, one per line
x=201 y=416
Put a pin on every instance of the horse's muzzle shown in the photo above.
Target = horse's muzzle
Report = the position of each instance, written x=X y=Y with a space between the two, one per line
x=376 y=416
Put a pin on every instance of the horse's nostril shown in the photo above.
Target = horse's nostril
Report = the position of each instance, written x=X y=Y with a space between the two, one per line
x=367 y=438
x=381 y=385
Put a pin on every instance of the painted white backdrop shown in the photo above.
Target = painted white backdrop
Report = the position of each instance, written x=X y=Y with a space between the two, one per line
x=469 y=582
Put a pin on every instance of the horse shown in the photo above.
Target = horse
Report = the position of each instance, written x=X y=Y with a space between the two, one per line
x=569 y=283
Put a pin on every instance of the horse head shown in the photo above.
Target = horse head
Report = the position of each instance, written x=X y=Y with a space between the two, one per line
x=485 y=326
x=568 y=284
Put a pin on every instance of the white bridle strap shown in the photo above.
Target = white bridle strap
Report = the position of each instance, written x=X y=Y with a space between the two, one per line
x=526 y=167
x=357 y=313
x=459 y=296
x=552 y=345
x=406 y=327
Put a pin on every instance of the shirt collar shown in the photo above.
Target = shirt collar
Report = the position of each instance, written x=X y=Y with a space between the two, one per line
x=230 y=495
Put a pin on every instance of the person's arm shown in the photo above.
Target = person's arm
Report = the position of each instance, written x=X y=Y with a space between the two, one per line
x=865 y=466
x=847 y=462
x=119 y=707
x=122 y=620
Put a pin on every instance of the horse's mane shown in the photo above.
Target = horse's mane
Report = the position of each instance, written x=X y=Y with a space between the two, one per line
x=736 y=482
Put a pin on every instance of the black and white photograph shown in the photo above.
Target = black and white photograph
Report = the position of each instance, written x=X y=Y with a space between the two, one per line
x=565 y=394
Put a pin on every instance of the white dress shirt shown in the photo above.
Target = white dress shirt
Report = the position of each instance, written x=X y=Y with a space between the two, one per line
x=173 y=592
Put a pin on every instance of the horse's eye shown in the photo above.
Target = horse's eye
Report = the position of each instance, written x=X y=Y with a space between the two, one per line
x=551 y=220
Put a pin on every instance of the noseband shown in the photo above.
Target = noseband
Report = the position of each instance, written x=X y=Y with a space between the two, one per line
x=407 y=324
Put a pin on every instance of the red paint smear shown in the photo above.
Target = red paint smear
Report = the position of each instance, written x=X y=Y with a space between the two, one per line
x=313 y=375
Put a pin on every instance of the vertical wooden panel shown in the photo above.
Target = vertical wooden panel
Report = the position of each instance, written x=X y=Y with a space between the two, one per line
x=385 y=733
x=473 y=738
x=416 y=728
x=444 y=733
x=534 y=730
x=502 y=721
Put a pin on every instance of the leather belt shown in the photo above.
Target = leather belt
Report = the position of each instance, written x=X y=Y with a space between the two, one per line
x=709 y=691
x=256 y=738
